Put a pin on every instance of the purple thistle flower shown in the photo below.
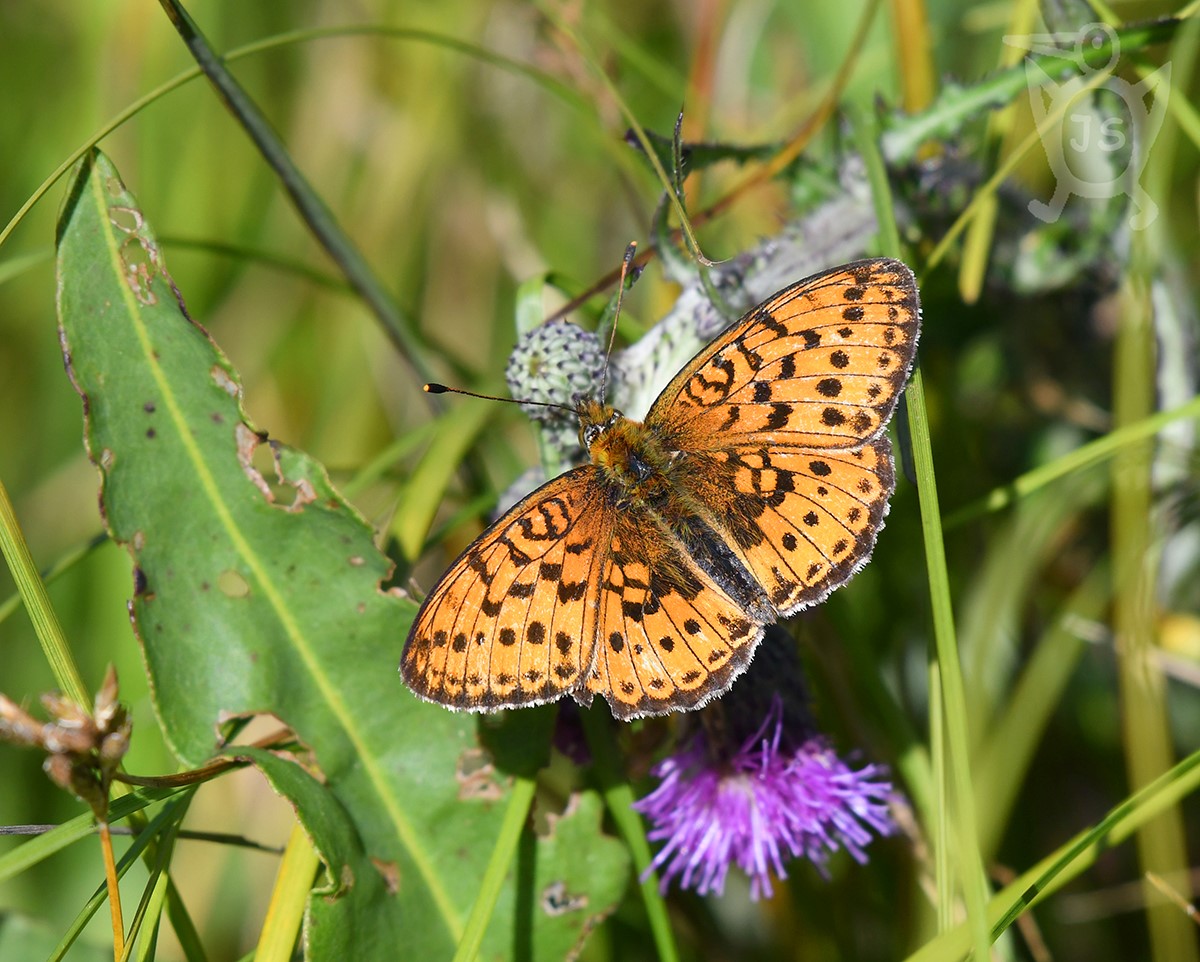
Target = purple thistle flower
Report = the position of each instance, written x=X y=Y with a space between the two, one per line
x=766 y=804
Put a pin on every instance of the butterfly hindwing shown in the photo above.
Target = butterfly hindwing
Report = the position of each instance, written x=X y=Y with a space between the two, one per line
x=671 y=634
x=819 y=365
x=802 y=522
x=514 y=619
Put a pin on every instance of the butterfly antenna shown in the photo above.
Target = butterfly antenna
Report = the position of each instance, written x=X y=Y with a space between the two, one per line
x=626 y=262
x=434 y=388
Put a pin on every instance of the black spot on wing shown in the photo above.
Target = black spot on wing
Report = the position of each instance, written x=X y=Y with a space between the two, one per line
x=765 y=319
x=570 y=591
x=780 y=415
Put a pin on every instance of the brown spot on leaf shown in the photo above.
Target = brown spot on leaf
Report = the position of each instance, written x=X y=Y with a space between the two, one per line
x=556 y=900
x=224 y=380
x=390 y=872
x=474 y=772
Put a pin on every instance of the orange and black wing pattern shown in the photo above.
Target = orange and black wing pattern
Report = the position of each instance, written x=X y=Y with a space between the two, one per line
x=819 y=365
x=650 y=581
x=801 y=522
x=513 y=622
x=671 y=635
x=780 y=426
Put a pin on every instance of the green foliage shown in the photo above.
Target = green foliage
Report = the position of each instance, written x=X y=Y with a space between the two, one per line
x=365 y=202
x=233 y=624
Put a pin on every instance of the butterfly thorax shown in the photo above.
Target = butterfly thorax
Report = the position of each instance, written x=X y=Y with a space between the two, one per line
x=646 y=478
x=627 y=454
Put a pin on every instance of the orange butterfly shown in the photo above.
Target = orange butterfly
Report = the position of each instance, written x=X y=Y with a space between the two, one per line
x=755 y=486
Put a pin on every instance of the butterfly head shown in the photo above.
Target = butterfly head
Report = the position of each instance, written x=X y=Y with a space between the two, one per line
x=628 y=456
x=595 y=418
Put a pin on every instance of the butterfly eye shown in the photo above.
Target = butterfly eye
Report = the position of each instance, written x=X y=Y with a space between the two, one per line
x=590 y=433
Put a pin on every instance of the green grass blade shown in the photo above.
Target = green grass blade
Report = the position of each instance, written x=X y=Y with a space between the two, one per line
x=1094 y=452
x=1018 y=730
x=515 y=814
x=293 y=883
x=37 y=602
x=958 y=741
x=1068 y=862
x=312 y=209
x=1135 y=531
x=619 y=799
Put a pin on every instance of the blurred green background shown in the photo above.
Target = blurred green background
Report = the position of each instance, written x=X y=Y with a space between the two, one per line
x=459 y=179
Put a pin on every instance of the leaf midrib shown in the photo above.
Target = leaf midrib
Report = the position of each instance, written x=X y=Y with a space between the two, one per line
x=293 y=632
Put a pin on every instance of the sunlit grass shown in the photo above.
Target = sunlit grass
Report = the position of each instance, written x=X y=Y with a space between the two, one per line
x=466 y=148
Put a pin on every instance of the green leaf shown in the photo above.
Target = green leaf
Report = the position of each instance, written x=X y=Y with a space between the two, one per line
x=257 y=590
x=578 y=881
x=331 y=831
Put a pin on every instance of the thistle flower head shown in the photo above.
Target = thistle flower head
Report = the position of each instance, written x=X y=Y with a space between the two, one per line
x=781 y=793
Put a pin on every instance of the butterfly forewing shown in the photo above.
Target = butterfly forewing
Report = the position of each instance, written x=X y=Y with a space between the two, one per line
x=819 y=365
x=514 y=619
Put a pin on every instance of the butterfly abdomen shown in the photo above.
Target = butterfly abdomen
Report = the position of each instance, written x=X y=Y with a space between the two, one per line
x=641 y=472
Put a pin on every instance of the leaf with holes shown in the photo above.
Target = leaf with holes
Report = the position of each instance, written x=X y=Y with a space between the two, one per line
x=257 y=590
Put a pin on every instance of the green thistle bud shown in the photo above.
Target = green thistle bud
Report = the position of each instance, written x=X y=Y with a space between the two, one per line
x=553 y=363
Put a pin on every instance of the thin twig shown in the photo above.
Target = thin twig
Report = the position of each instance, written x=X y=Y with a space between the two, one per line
x=114 y=891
